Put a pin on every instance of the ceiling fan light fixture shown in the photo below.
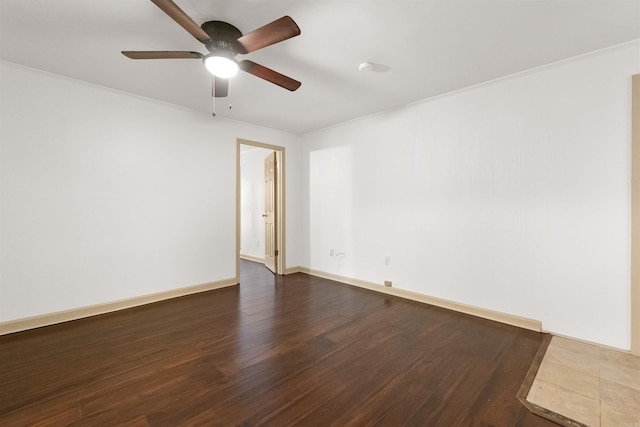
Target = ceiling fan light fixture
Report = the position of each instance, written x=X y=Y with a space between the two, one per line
x=221 y=66
x=224 y=42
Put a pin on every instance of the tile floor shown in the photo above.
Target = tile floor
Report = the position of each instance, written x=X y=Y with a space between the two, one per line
x=588 y=385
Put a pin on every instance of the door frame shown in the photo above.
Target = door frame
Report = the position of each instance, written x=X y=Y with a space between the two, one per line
x=635 y=216
x=280 y=203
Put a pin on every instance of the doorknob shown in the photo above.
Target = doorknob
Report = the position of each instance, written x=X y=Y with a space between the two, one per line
x=264 y=215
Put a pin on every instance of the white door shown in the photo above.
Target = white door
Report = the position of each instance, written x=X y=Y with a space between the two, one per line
x=270 y=247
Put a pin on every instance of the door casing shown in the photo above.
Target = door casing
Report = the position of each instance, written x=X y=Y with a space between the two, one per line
x=280 y=203
x=635 y=216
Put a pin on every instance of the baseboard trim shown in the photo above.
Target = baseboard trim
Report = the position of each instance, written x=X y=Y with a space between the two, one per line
x=509 y=319
x=293 y=270
x=93 y=310
x=580 y=340
x=252 y=258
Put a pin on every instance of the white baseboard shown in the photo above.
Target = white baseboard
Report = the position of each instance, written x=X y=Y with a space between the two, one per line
x=509 y=319
x=68 y=315
x=608 y=347
x=252 y=258
x=93 y=310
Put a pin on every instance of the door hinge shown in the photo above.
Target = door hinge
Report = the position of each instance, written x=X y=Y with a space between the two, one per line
x=276 y=252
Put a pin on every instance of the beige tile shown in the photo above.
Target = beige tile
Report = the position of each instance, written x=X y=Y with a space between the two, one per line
x=574 y=355
x=620 y=396
x=621 y=368
x=572 y=405
x=611 y=416
x=578 y=381
x=589 y=384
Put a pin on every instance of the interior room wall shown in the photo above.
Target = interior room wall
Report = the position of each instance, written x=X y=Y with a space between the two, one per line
x=252 y=201
x=108 y=196
x=512 y=196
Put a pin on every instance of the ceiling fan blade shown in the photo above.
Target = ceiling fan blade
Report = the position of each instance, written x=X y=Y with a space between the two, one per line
x=220 y=87
x=269 y=75
x=178 y=15
x=160 y=54
x=277 y=31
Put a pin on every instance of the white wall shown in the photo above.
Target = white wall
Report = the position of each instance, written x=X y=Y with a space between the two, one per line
x=252 y=202
x=106 y=196
x=512 y=196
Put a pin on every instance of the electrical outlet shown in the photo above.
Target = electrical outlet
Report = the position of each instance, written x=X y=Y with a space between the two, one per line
x=387 y=283
x=331 y=252
x=387 y=260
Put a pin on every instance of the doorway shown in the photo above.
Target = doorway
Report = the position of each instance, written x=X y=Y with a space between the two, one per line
x=255 y=223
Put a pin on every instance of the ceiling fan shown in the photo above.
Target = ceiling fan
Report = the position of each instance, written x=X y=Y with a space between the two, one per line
x=224 y=42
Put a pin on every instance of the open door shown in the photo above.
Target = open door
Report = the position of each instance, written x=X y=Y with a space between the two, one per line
x=270 y=247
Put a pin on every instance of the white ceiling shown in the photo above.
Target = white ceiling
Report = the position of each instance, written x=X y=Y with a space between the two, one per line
x=431 y=48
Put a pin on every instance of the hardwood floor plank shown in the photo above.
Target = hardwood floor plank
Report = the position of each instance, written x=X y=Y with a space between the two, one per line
x=273 y=351
x=48 y=412
x=451 y=400
x=500 y=408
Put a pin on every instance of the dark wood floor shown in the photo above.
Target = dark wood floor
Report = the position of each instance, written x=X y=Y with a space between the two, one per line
x=273 y=351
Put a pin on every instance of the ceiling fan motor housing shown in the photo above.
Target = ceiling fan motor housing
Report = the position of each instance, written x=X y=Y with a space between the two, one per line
x=224 y=37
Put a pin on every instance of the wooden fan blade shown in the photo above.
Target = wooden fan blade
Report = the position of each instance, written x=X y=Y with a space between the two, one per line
x=178 y=15
x=160 y=54
x=277 y=31
x=269 y=75
x=220 y=87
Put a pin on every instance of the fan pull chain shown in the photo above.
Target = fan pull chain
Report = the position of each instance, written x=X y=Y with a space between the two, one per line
x=213 y=97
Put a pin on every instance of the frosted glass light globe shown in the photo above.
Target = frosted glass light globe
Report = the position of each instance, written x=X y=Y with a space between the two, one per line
x=221 y=66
